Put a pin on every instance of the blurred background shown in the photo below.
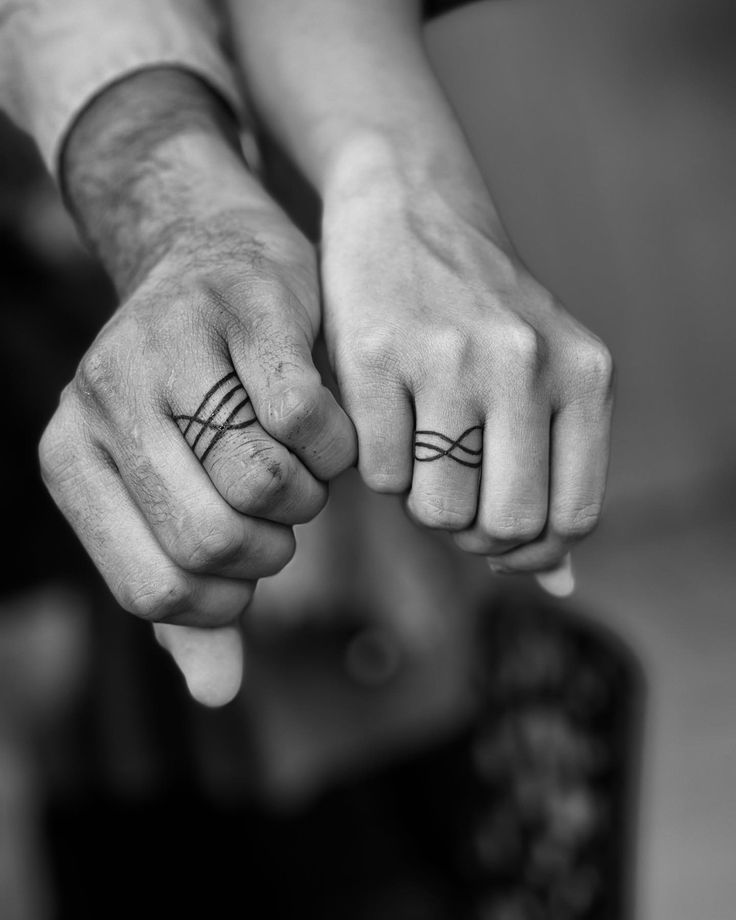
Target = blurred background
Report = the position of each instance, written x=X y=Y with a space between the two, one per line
x=608 y=136
x=607 y=132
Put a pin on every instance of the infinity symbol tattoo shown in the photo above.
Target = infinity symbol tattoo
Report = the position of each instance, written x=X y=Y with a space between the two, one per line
x=219 y=413
x=433 y=445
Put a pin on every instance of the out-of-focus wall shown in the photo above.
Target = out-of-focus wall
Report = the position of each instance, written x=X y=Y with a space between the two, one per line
x=608 y=135
x=607 y=132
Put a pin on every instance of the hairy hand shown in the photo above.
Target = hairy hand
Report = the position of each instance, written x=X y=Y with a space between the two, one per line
x=197 y=429
x=471 y=389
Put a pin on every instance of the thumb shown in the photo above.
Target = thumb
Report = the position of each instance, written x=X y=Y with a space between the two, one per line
x=559 y=581
x=211 y=660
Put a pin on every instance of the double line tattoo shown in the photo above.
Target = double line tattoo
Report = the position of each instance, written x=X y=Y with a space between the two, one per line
x=218 y=413
x=433 y=445
x=227 y=407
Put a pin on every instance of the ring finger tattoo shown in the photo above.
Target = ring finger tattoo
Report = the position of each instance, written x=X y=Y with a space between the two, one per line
x=225 y=407
x=430 y=446
x=444 y=491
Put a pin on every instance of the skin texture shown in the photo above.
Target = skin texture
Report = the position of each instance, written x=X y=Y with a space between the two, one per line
x=214 y=280
x=431 y=319
x=432 y=324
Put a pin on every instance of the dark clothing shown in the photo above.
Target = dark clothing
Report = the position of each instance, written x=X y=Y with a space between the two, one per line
x=525 y=812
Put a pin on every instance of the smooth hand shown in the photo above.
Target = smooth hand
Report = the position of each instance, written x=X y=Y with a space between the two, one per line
x=471 y=389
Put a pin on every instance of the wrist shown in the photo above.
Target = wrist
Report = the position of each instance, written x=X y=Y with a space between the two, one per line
x=150 y=157
x=390 y=172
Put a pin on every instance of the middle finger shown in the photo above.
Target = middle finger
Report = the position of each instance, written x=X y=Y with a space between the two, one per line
x=512 y=507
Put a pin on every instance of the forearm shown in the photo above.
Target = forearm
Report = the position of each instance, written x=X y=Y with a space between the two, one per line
x=348 y=89
x=55 y=58
x=471 y=390
x=151 y=156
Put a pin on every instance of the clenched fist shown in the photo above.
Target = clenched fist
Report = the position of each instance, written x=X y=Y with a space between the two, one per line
x=197 y=430
x=469 y=385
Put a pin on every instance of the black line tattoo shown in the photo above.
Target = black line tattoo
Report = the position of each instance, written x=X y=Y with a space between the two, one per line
x=433 y=445
x=223 y=402
x=207 y=396
x=229 y=425
x=209 y=416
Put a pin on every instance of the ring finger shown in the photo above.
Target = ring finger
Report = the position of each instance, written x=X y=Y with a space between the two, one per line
x=447 y=465
x=253 y=473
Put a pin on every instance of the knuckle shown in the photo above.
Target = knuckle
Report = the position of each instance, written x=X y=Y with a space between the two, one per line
x=579 y=522
x=158 y=599
x=368 y=364
x=53 y=458
x=439 y=513
x=286 y=551
x=96 y=379
x=294 y=412
x=213 y=548
x=452 y=344
x=522 y=356
x=388 y=481
x=262 y=480
x=300 y=508
x=597 y=366
x=269 y=556
x=378 y=347
x=61 y=453
x=514 y=528
x=523 y=345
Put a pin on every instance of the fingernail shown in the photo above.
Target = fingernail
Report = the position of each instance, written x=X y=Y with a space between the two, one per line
x=560 y=581
x=210 y=660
